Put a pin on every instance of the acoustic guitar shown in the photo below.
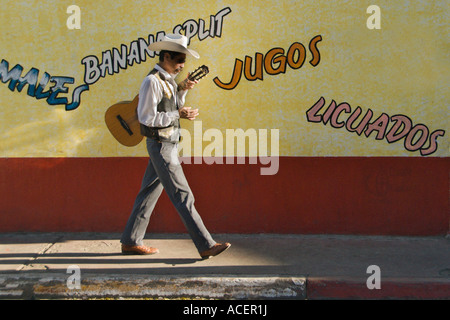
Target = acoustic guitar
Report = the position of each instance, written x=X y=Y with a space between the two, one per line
x=122 y=119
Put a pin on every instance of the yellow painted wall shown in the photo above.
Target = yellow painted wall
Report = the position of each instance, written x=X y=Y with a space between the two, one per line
x=400 y=69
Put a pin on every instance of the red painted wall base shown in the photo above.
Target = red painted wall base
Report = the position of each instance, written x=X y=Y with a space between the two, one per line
x=372 y=196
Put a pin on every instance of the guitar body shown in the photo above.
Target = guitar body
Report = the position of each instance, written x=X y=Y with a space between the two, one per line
x=122 y=121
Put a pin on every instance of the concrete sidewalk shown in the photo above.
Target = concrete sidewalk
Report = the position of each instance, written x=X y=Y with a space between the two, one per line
x=45 y=266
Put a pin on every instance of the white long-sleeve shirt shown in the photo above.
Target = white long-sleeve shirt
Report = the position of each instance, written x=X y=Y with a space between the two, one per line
x=151 y=94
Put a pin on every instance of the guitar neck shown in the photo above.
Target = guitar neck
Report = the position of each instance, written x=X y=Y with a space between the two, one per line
x=198 y=74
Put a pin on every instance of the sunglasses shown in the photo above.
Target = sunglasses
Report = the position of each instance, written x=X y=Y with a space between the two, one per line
x=180 y=60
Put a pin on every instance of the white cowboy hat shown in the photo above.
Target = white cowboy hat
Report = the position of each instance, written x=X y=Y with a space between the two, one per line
x=173 y=42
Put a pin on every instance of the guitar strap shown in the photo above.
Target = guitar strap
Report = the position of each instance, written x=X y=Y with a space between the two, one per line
x=167 y=91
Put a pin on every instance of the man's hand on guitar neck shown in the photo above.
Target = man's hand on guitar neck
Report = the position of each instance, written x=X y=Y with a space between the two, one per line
x=188 y=113
x=187 y=84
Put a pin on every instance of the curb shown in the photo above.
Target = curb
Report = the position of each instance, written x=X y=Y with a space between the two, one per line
x=153 y=287
x=45 y=286
x=332 y=288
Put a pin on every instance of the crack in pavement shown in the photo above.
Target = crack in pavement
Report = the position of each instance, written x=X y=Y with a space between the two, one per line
x=40 y=253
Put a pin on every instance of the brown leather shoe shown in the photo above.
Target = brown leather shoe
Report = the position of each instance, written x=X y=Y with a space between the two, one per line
x=215 y=250
x=138 y=250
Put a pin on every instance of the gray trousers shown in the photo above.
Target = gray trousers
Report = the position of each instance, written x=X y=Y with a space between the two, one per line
x=164 y=171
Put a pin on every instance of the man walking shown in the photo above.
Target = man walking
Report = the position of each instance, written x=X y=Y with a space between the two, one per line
x=161 y=105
